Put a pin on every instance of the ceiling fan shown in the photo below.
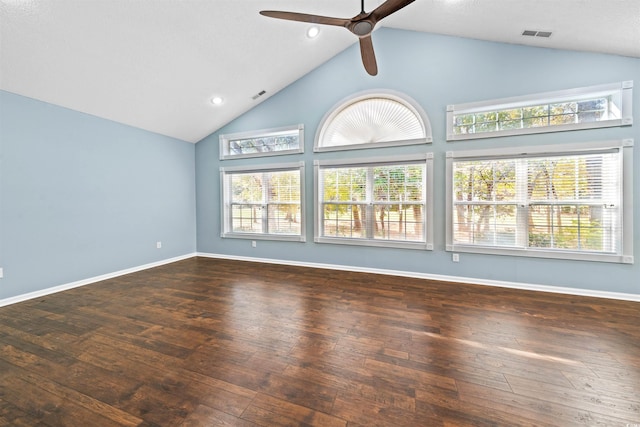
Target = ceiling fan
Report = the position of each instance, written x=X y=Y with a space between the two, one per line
x=361 y=25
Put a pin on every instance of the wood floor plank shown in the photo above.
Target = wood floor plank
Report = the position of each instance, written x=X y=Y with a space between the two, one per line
x=364 y=410
x=325 y=376
x=269 y=411
x=409 y=374
x=12 y=416
x=624 y=390
x=301 y=392
x=594 y=401
x=56 y=405
x=210 y=417
x=532 y=410
x=200 y=388
x=159 y=407
x=231 y=343
x=453 y=410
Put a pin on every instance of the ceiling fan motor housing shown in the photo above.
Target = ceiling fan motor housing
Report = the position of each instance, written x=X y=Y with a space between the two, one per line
x=362 y=28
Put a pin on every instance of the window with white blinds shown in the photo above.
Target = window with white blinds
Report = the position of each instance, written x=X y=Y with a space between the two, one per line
x=559 y=203
x=263 y=203
x=375 y=203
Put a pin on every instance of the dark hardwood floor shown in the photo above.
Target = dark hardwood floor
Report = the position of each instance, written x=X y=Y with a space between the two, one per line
x=206 y=342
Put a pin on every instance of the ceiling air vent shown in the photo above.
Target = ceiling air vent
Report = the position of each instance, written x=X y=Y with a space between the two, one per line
x=534 y=33
x=258 y=95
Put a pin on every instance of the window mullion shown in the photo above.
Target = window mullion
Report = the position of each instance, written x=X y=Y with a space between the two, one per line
x=522 y=203
x=370 y=211
x=228 y=221
x=266 y=190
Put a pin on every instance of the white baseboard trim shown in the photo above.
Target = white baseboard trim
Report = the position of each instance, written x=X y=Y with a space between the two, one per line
x=67 y=286
x=438 y=277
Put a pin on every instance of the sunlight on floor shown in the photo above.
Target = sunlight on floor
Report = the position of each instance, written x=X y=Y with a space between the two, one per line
x=514 y=351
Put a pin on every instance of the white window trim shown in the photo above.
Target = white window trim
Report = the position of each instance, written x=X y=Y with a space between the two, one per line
x=428 y=217
x=361 y=96
x=624 y=89
x=224 y=206
x=227 y=138
x=626 y=147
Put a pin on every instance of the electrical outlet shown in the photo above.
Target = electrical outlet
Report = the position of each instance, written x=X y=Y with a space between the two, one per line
x=455 y=257
x=253 y=244
x=158 y=245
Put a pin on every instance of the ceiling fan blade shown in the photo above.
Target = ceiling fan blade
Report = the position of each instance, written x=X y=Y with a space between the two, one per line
x=304 y=17
x=368 y=55
x=389 y=7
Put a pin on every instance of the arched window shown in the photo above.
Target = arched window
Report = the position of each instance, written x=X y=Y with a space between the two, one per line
x=373 y=119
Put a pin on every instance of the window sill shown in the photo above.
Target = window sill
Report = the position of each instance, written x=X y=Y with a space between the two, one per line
x=376 y=243
x=543 y=253
x=257 y=236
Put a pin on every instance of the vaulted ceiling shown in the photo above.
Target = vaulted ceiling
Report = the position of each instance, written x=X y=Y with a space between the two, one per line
x=156 y=64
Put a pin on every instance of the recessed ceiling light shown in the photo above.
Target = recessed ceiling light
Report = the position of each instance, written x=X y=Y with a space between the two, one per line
x=216 y=100
x=313 y=32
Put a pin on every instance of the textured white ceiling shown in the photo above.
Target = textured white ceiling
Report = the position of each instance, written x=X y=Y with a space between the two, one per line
x=155 y=64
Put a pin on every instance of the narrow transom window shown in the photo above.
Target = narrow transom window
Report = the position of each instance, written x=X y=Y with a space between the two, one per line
x=573 y=109
x=563 y=204
x=263 y=203
x=260 y=143
x=373 y=120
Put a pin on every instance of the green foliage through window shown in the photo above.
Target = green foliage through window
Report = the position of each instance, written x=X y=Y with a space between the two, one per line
x=541 y=115
x=590 y=107
x=264 y=202
x=381 y=202
x=568 y=202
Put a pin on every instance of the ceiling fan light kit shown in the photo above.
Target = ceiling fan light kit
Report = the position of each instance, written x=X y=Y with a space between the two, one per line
x=361 y=25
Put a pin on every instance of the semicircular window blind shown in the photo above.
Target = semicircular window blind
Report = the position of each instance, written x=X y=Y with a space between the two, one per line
x=372 y=120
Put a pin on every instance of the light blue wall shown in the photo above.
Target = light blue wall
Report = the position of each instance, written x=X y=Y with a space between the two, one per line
x=81 y=196
x=435 y=71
